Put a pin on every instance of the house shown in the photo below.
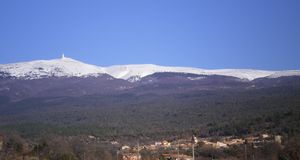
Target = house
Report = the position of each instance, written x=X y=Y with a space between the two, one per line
x=131 y=156
x=157 y=143
x=277 y=139
x=125 y=148
x=166 y=143
x=114 y=143
x=220 y=145
x=264 y=136
x=91 y=137
x=216 y=145
x=151 y=147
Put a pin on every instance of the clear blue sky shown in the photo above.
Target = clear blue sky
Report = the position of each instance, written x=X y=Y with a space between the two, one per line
x=259 y=34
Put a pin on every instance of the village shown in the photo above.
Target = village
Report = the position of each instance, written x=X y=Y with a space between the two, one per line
x=182 y=149
x=177 y=149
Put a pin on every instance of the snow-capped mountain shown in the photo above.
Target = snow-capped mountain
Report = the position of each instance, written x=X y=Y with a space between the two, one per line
x=142 y=70
x=67 y=67
x=63 y=67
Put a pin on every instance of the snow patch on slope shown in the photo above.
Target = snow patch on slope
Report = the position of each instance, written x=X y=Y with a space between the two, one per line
x=195 y=78
x=142 y=70
x=285 y=73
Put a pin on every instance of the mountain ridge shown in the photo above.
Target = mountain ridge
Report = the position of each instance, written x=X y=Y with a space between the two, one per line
x=68 y=67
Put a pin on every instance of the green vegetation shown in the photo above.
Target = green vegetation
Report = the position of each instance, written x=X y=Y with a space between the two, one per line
x=206 y=113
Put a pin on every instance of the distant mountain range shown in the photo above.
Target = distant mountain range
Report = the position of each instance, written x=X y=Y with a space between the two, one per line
x=69 y=77
x=67 y=67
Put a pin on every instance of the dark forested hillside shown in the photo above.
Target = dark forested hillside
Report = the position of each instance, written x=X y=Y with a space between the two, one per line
x=41 y=114
x=207 y=112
